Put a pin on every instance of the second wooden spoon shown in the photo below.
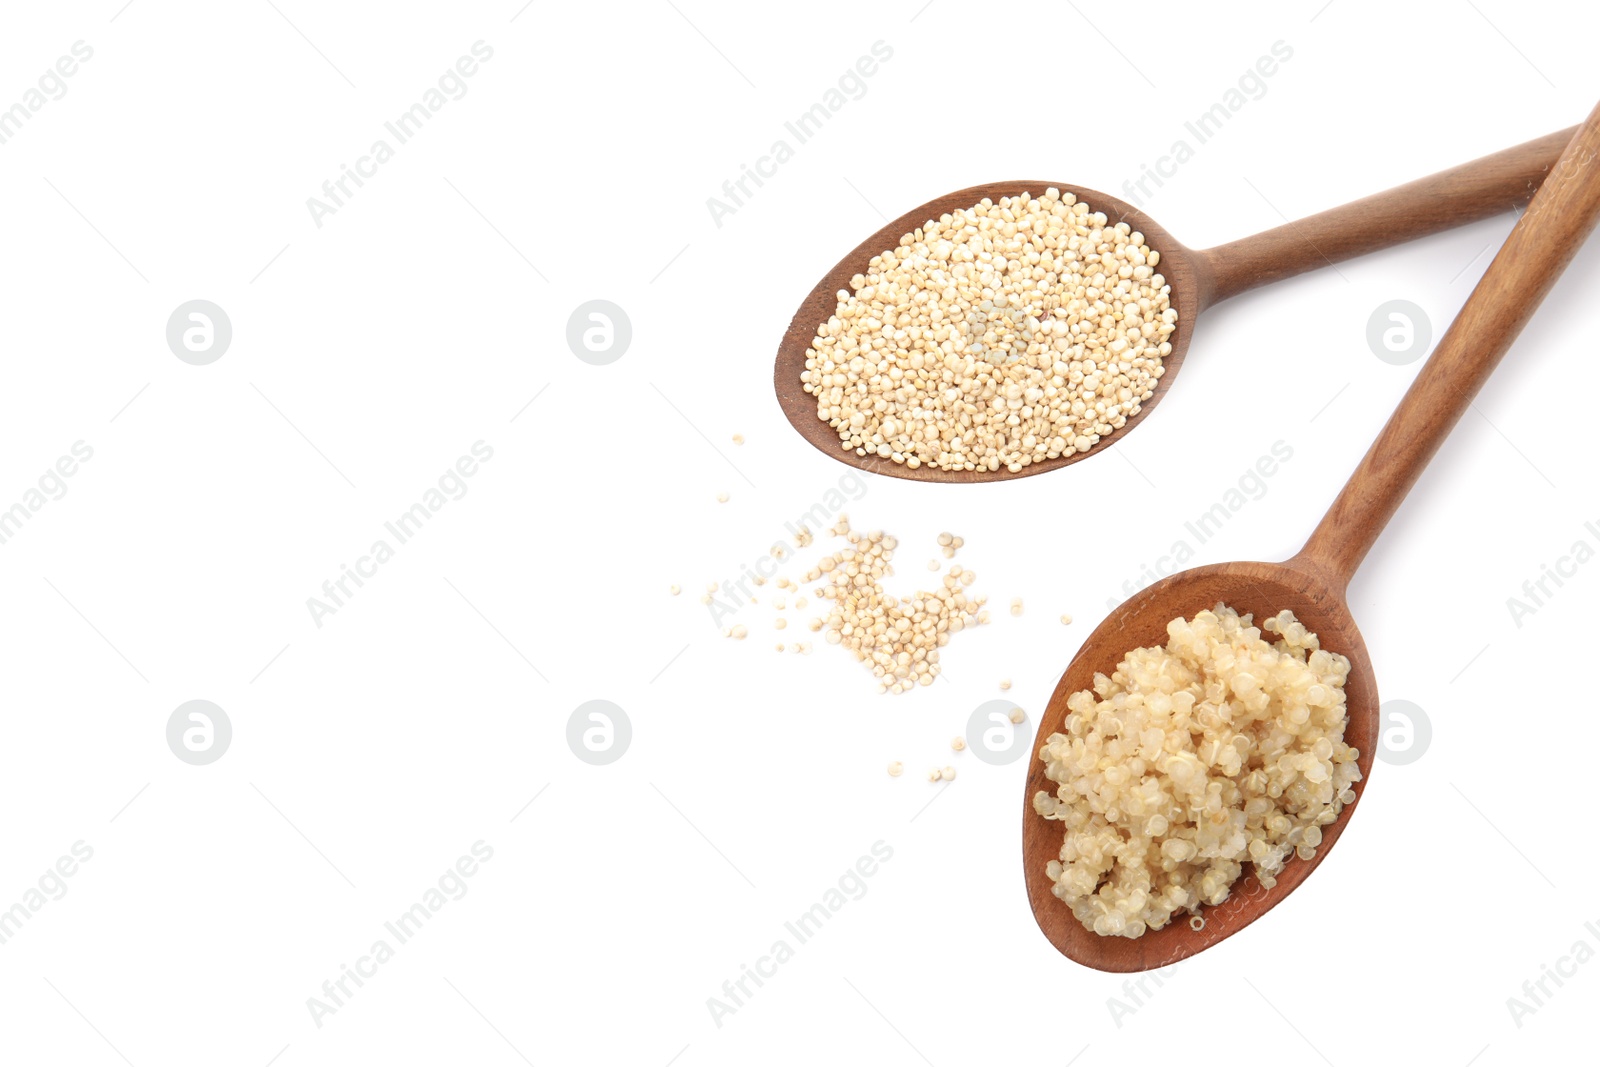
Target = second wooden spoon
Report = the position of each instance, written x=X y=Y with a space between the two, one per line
x=1313 y=583
x=1199 y=278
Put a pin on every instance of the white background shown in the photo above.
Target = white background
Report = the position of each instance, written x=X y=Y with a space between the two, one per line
x=368 y=354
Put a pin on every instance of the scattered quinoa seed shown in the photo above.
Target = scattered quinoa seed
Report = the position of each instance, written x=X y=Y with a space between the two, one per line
x=948 y=774
x=958 y=743
x=898 y=638
x=896 y=768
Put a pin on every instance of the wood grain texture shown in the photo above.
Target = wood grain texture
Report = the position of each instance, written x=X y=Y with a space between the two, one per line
x=1313 y=583
x=1477 y=190
x=1541 y=245
x=1199 y=279
x=1262 y=590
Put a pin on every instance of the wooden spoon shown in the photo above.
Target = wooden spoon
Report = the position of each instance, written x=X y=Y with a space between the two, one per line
x=1313 y=583
x=1199 y=279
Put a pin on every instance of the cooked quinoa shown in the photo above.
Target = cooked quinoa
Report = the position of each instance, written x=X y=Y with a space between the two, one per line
x=1192 y=760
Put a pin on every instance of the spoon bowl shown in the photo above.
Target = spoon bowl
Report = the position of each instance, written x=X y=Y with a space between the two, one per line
x=1199 y=278
x=1187 y=273
x=1261 y=590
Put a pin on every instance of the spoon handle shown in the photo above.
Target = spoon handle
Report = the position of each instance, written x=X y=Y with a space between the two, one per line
x=1439 y=202
x=1561 y=215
